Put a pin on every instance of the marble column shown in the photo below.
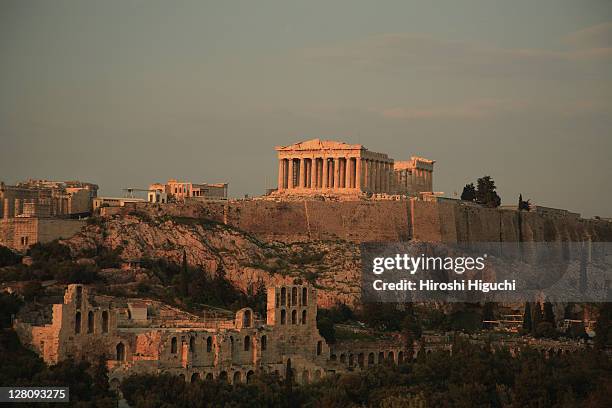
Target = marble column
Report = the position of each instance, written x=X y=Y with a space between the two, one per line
x=370 y=175
x=351 y=162
x=378 y=177
x=358 y=173
x=281 y=174
x=325 y=181
x=302 y=172
x=336 y=173
x=290 y=174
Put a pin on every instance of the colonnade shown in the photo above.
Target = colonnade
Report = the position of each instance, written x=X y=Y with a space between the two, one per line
x=337 y=173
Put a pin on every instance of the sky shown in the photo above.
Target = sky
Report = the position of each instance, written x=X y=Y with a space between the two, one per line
x=125 y=93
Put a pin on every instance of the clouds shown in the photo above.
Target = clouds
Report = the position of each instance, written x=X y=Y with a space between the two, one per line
x=597 y=36
x=481 y=109
x=590 y=55
x=478 y=109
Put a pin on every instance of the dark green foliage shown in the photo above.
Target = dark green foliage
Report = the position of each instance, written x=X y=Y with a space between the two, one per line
x=469 y=192
x=10 y=304
x=52 y=251
x=485 y=192
x=527 y=319
x=603 y=327
x=549 y=314
x=523 y=205
x=536 y=316
x=8 y=257
x=488 y=313
x=382 y=316
x=21 y=367
x=326 y=329
x=184 y=285
x=471 y=376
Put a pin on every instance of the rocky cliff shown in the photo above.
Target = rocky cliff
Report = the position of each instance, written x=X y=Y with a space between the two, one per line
x=333 y=266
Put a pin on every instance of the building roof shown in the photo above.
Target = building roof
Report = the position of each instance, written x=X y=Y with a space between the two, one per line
x=318 y=144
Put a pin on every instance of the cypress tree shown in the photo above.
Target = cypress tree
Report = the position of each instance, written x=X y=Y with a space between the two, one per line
x=527 y=323
x=549 y=314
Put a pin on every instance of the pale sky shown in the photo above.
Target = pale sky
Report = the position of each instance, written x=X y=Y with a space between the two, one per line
x=125 y=93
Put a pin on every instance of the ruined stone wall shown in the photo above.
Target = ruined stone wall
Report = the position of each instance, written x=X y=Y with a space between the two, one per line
x=458 y=222
x=21 y=233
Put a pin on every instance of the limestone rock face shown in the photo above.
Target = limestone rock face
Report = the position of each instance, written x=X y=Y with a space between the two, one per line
x=331 y=265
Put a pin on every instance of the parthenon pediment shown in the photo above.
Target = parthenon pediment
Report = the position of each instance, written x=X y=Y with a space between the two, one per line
x=318 y=144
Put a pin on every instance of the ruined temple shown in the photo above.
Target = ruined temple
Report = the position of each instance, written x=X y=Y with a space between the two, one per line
x=146 y=336
x=326 y=166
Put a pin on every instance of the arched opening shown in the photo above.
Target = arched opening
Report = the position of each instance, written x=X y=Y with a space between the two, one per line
x=247 y=343
x=237 y=377
x=192 y=344
x=391 y=357
x=264 y=342
x=351 y=360
x=400 y=357
x=371 y=359
x=77 y=323
x=174 y=345
x=303 y=316
x=283 y=296
x=304 y=297
x=246 y=319
x=208 y=344
x=381 y=357
x=79 y=296
x=90 y=322
x=209 y=377
x=294 y=296
x=223 y=376
x=105 y=322
x=360 y=359
x=195 y=377
x=120 y=349
x=333 y=357
x=283 y=316
x=249 y=376
x=319 y=347
x=293 y=316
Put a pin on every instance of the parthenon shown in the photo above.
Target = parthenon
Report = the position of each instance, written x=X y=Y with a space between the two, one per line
x=318 y=166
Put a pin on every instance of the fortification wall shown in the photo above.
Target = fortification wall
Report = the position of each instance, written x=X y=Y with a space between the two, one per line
x=356 y=221
x=458 y=222
x=402 y=220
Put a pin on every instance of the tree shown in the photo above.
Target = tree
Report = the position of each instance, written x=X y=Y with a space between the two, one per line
x=485 y=192
x=603 y=326
x=469 y=192
x=536 y=316
x=523 y=205
x=8 y=257
x=184 y=276
x=549 y=314
x=488 y=313
x=527 y=322
x=326 y=329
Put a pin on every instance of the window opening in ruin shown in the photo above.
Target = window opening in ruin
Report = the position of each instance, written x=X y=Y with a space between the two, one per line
x=105 y=322
x=77 y=323
x=90 y=322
